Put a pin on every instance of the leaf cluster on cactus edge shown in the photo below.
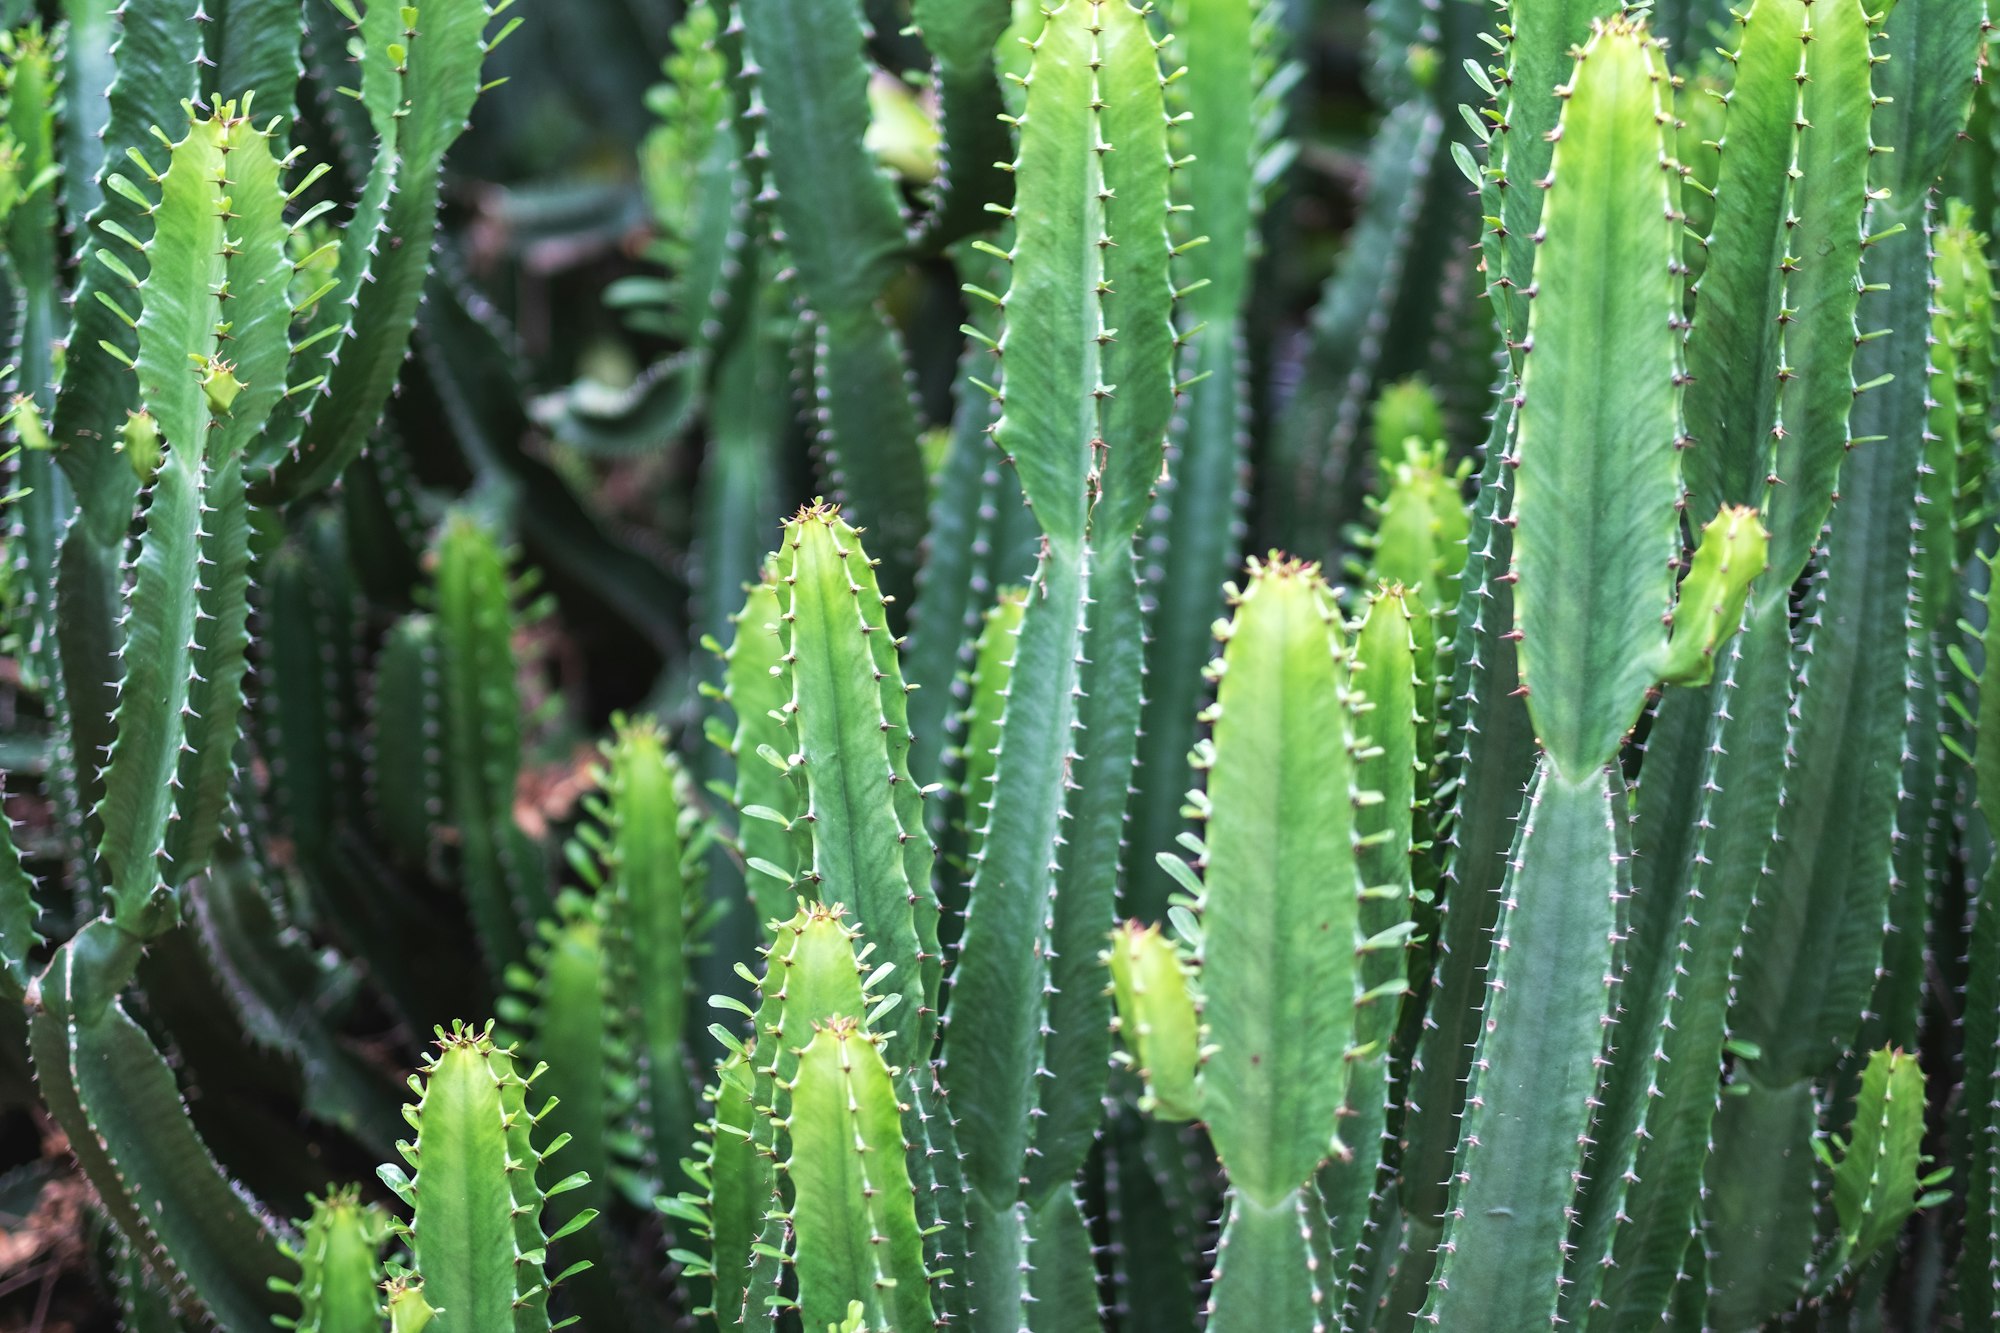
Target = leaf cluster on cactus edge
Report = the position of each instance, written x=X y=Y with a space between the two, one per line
x=1018 y=666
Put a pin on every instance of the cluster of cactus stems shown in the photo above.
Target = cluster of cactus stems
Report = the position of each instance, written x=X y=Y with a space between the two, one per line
x=1585 y=912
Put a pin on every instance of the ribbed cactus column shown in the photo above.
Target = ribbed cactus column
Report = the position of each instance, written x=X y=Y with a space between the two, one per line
x=1278 y=956
x=1709 y=799
x=1086 y=355
x=211 y=348
x=1596 y=536
x=806 y=65
x=475 y=1229
x=1231 y=96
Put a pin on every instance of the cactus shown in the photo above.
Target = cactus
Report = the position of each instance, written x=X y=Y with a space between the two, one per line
x=1042 y=892
x=843 y=227
x=1233 y=99
x=475 y=600
x=339 y=1287
x=475 y=1234
x=640 y=866
x=1571 y=896
x=1279 y=878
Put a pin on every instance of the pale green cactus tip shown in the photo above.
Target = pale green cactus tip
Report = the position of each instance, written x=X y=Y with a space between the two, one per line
x=1878 y=1169
x=139 y=440
x=1404 y=411
x=29 y=427
x=409 y=1312
x=902 y=128
x=1732 y=554
x=1156 y=1018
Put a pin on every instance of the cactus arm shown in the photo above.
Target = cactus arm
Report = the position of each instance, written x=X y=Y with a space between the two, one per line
x=1879 y=1172
x=811 y=977
x=843 y=227
x=1710 y=604
x=327 y=327
x=156 y=73
x=1198 y=520
x=1504 y=1239
x=645 y=936
x=992 y=673
x=179 y=705
x=1709 y=796
x=1802 y=994
x=113 y=1093
x=1760 y=1240
x=698 y=190
x=1077 y=1049
x=568 y=1002
x=1485 y=774
x=755 y=692
x=850 y=737
x=431 y=91
x=1733 y=349
x=1595 y=483
x=1512 y=1175
x=406 y=778
x=18 y=936
x=1156 y=1019
x=962 y=35
x=1539 y=42
x=863 y=815
x=853 y=1209
x=482 y=734
x=996 y=996
x=1093 y=113
x=32 y=269
x=88 y=71
x=953 y=584
x=1822 y=293
x=1136 y=369
x=1383 y=677
x=1978 y=1266
x=739 y=1182
x=472 y=1183
x=339 y=1286
x=1280 y=880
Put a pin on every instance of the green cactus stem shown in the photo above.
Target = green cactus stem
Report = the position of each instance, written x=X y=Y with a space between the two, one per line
x=181 y=695
x=861 y=833
x=1279 y=879
x=475 y=597
x=1708 y=808
x=339 y=1286
x=807 y=76
x=1156 y=1019
x=766 y=802
x=475 y=1225
x=1388 y=725
x=116 y=1098
x=645 y=901
x=853 y=1208
x=1084 y=425
x=420 y=74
